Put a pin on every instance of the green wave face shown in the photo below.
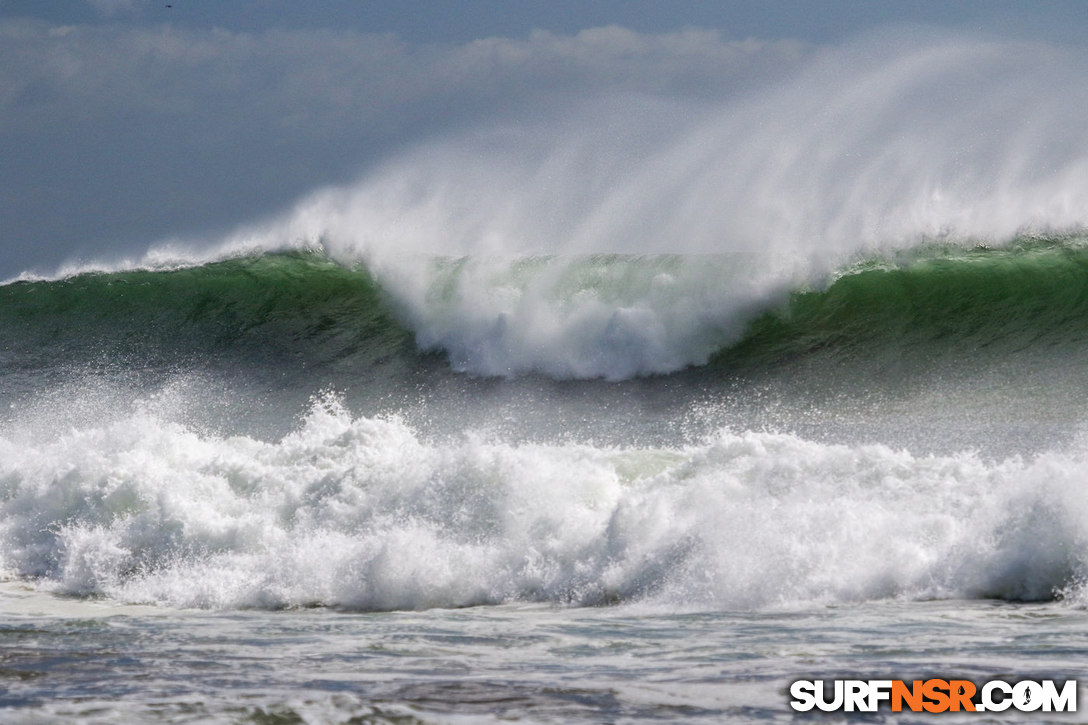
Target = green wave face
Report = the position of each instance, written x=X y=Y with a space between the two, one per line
x=929 y=305
x=283 y=309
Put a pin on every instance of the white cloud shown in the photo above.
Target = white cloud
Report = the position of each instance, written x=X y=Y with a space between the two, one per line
x=330 y=78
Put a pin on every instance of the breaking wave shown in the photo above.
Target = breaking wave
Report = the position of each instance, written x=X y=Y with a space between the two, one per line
x=364 y=513
x=603 y=316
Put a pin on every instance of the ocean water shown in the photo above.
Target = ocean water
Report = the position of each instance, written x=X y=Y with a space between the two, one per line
x=99 y=663
x=295 y=485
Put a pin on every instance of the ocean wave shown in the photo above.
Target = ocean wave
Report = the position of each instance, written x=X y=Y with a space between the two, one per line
x=291 y=309
x=364 y=513
x=605 y=316
x=941 y=302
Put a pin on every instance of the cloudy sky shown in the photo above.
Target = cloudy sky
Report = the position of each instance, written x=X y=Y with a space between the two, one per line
x=127 y=122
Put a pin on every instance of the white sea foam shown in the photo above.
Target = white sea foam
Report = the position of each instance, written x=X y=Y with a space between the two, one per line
x=611 y=317
x=364 y=513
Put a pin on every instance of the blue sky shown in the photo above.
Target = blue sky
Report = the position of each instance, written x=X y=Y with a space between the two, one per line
x=125 y=122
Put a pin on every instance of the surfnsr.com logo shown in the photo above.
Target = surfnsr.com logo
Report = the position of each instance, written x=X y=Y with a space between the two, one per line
x=933 y=695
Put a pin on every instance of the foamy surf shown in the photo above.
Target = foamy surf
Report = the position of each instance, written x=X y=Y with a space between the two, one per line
x=363 y=513
x=612 y=317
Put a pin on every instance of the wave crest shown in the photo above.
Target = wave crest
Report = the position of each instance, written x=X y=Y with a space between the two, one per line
x=606 y=316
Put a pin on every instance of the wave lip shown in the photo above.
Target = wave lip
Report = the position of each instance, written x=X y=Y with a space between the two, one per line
x=363 y=513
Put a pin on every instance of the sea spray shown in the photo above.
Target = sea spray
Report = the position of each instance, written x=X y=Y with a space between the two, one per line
x=874 y=145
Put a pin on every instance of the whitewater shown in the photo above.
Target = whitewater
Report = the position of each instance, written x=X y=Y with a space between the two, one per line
x=587 y=416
